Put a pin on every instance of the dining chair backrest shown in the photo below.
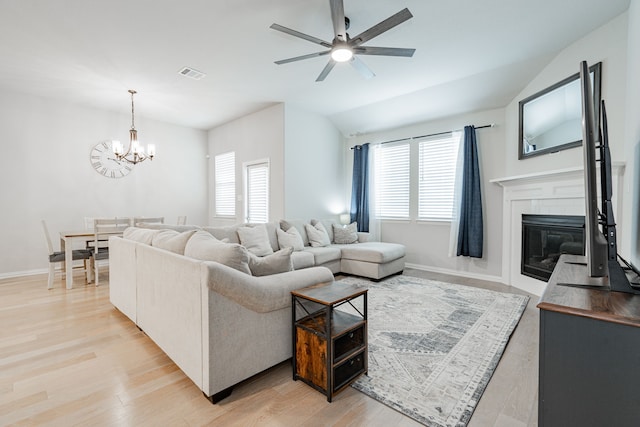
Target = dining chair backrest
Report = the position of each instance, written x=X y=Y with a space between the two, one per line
x=182 y=220
x=47 y=237
x=105 y=227
x=147 y=220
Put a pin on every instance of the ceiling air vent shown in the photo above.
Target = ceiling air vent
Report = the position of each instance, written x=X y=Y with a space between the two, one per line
x=192 y=73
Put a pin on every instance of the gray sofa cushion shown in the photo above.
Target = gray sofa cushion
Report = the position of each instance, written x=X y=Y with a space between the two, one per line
x=302 y=259
x=376 y=252
x=202 y=245
x=172 y=240
x=290 y=239
x=277 y=262
x=140 y=235
x=222 y=233
x=286 y=224
x=318 y=236
x=255 y=239
x=324 y=254
x=345 y=235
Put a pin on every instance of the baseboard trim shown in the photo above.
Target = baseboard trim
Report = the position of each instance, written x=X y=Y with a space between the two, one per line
x=465 y=274
x=14 y=274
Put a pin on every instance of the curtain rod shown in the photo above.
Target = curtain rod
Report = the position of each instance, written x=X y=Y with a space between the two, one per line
x=431 y=134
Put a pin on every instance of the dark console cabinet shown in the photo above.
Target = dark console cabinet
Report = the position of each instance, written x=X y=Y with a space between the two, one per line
x=589 y=353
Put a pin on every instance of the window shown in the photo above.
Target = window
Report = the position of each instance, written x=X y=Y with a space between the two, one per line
x=391 y=178
x=437 y=159
x=257 y=191
x=225 y=184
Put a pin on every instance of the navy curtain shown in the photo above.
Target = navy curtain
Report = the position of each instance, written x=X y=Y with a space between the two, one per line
x=470 y=234
x=360 y=187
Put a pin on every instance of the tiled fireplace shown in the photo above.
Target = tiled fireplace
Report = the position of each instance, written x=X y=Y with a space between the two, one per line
x=558 y=192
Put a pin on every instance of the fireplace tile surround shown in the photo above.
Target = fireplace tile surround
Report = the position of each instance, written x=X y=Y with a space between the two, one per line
x=555 y=192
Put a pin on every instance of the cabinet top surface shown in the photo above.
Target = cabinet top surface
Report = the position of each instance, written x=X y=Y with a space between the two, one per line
x=617 y=307
x=330 y=293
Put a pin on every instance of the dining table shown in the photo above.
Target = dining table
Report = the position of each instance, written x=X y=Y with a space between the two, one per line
x=67 y=240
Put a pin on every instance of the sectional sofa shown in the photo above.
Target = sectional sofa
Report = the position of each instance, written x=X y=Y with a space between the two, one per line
x=219 y=311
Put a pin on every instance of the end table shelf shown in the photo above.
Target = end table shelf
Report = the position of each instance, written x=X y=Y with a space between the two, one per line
x=329 y=345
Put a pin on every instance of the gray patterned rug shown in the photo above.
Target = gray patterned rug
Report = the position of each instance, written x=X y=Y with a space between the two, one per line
x=433 y=346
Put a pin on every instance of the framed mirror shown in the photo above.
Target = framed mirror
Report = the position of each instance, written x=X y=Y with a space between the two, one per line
x=551 y=120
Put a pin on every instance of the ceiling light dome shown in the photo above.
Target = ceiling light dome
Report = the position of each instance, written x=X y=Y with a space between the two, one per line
x=342 y=53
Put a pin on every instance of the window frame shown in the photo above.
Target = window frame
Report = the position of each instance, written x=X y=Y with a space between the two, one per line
x=247 y=167
x=229 y=183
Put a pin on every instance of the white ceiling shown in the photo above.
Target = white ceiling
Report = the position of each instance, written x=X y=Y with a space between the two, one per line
x=471 y=55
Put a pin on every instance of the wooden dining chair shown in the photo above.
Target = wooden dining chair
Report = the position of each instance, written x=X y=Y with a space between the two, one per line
x=58 y=257
x=103 y=228
x=147 y=220
x=182 y=220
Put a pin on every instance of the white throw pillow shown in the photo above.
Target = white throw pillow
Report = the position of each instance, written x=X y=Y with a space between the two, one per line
x=172 y=240
x=255 y=239
x=318 y=236
x=277 y=262
x=345 y=235
x=290 y=239
x=202 y=245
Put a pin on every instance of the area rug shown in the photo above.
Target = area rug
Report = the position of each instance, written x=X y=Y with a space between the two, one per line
x=433 y=346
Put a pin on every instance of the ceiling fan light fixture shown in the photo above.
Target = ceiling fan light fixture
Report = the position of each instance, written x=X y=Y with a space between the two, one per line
x=341 y=53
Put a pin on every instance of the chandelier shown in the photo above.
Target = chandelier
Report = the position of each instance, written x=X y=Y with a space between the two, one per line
x=135 y=152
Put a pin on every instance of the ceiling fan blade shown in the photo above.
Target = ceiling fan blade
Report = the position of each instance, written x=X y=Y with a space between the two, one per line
x=326 y=70
x=381 y=27
x=337 y=17
x=304 y=36
x=384 y=51
x=300 y=58
x=362 y=68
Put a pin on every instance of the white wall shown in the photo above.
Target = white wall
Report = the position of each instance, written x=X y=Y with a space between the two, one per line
x=46 y=174
x=630 y=240
x=427 y=242
x=607 y=44
x=253 y=137
x=314 y=165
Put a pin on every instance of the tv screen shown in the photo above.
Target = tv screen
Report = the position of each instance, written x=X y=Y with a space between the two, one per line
x=596 y=244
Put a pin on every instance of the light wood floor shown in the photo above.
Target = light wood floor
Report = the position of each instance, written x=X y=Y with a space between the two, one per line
x=70 y=358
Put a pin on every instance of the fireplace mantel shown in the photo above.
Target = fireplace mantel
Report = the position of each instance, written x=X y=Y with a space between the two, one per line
x=554 y=192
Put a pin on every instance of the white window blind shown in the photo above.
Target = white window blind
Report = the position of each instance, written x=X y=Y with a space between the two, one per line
x=257 y=192
x=436 y=176
x=391 y=169
x=225 y=184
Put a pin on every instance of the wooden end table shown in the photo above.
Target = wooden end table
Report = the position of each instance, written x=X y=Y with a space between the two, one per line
x=329 y=344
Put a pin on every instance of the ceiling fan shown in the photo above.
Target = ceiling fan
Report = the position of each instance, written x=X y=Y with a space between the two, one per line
x=343 y=48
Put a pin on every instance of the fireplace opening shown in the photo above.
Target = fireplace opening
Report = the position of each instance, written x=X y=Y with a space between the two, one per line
x=545 y=238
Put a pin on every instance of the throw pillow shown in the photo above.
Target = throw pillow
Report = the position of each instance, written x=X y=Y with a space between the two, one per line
x=203 y=246
x=328 y=225
x=290 y=239
x=277 y=262
x=318 y=236
x=255 y=239
x=299 y=224
x=345 y=235
x=172 y=240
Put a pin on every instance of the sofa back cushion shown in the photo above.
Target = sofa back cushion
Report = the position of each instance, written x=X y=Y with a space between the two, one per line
x=172 y=240
x=203 y=246
x=140 y=235
x=179 y=228
x=221 y=233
